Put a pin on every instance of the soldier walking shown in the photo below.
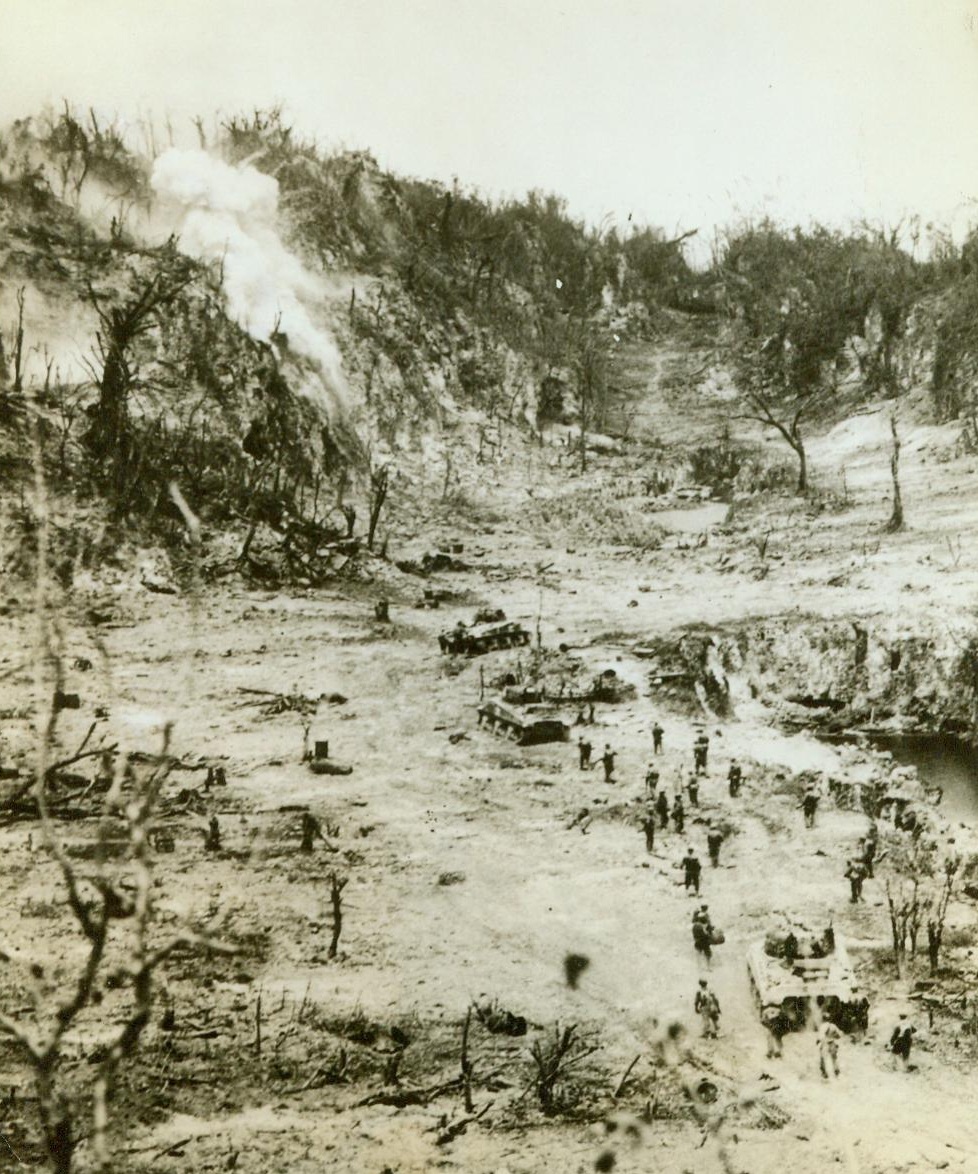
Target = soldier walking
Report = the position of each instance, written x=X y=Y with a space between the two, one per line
x=693 y=791
x=870 y=844
x=856 y=874
x=901 y=1041
x=703 y=934
x=608 y=762
x=707 y=1006
x=691 y=872
x=311 y=831
x=735 y=776
x=212 y=840
x=679 y=814
x=648 y=826
x=584 y=753
x=828 y=1048
x=777 y=1025
x=714 y=838
x=657 y=732
x=700 y=750
x=662 y=809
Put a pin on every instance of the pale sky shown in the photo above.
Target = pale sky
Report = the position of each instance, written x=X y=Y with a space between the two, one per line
x=680 y=112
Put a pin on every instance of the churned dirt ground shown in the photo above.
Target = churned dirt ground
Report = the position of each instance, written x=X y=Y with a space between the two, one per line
x=467 y=882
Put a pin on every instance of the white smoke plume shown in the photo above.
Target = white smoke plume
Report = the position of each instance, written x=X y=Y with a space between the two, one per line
x=225 y=213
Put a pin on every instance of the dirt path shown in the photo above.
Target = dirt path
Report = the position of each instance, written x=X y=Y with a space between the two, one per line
x=466 y=881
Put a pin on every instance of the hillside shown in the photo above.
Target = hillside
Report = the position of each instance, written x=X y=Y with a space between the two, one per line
x=388 y=409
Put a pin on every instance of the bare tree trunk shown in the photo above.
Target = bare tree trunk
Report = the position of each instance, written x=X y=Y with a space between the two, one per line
x=55 y=1122
x=379 y=483
x=799 y=448
x=466 y=1065
x=898 y=931
x=336 y=887
x=895 y=523
x=914 y=920
x=16 y=376
x=19 y=345
x=582 y=415
x=935 y=924
x=934 y=935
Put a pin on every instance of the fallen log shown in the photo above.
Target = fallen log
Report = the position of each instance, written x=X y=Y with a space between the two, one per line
x=411 y=1096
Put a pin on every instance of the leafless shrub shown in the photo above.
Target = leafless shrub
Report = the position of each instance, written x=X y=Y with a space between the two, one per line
x=553 y=1059
x=111 y=904
x=916 y=899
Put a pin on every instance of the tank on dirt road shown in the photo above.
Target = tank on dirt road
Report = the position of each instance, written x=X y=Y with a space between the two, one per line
x=527 y=725
x=481 y=638
x=793 y=969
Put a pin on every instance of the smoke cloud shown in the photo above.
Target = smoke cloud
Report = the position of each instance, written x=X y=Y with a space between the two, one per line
x=229 y=214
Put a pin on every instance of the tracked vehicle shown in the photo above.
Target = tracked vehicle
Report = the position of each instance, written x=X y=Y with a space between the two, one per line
x=482 y=638
x=527 y=725
x=793 y=971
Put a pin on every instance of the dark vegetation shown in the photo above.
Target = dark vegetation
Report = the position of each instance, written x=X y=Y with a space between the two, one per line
x=514 y=306
x=178 y=392
x=815 y=313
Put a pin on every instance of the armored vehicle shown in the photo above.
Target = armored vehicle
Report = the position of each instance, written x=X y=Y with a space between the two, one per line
x=480 y=638
x=527 y=725
x=792 y=970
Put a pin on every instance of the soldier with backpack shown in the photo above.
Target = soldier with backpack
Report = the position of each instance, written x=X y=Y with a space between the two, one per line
x=707 y=1006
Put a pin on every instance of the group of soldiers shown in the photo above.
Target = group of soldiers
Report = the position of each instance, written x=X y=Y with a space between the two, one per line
x=859 y=866
x=656 y=815
x=658 y=811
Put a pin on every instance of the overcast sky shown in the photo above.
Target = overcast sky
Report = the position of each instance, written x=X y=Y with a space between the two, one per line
x=680 y=112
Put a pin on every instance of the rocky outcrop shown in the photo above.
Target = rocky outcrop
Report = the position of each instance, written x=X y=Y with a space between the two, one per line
x=831 y=674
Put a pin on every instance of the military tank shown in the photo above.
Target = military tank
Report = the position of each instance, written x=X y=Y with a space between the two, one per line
x=527 y=725
x=481 y=638
x=793 y=970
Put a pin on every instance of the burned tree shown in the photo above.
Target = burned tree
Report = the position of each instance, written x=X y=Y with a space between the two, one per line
x=112 y=906
x=379 y=485
x=81 y=148
x=552 y=1063
x=336 y=886
x=938 y=915
x=895 y=523
x=906 y=912
x=110 y=438
x=12 y=366
x=915 y=902
x=591 y=384
x=113 y=909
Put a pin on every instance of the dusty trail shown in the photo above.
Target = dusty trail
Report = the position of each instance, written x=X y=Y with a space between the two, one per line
x=420 y=806
x=532 y=890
